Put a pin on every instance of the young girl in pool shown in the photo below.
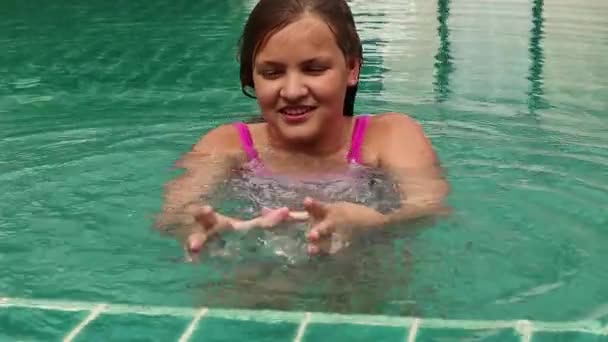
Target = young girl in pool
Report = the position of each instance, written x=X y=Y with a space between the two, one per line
x=301 y=60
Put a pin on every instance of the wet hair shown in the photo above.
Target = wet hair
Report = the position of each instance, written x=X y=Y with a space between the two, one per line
x=269 y=16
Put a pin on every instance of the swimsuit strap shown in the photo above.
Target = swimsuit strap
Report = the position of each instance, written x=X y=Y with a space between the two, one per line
x=246 y=140
x=354 y=155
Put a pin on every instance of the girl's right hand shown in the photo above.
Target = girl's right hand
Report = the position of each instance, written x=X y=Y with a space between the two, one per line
x=208 y=224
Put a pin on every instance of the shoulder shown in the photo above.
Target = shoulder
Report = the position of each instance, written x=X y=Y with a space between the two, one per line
x=219 y=140
x=398 y=135
x=391 y=128
x=396 y=123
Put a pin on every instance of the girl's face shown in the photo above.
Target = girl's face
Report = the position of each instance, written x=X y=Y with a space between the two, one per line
x=300 y=77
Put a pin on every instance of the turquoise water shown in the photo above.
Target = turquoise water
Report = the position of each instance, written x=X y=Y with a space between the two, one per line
x=98 y=100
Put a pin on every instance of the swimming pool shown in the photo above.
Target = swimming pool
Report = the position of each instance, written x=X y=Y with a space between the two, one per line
x=98 y=100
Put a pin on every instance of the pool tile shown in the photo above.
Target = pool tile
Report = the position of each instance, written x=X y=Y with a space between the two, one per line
x=568 y=337
x=130 y=327
x=226 y=330
x=26 y=324
x=457 y=335
x=353 y=333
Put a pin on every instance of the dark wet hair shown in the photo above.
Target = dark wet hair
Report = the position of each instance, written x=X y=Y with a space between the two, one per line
x=269 y=16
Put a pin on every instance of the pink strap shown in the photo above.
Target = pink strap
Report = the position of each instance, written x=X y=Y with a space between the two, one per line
x=354 y=155
x=246 y=140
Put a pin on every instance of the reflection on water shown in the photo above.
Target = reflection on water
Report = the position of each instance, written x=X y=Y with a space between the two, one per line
x=536 y=100
x=443 y=59
x=98 y=100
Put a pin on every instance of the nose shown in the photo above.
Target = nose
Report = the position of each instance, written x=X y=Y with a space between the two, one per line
x=293 y=87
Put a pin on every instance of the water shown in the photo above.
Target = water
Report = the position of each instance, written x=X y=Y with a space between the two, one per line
x=98 y=101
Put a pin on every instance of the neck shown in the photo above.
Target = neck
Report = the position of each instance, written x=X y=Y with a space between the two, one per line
x=328 y=142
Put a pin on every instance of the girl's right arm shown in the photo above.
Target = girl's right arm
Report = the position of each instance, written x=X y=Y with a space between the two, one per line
x=210 y=162
x=185 y=215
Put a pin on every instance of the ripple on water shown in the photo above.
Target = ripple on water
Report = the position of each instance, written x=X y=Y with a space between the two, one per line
x=98 y=101
x=26 y=83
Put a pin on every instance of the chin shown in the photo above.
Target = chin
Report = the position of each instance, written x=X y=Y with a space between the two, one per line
x=303 y=132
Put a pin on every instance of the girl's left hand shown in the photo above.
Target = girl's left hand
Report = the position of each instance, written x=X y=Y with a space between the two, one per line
x=338 y=218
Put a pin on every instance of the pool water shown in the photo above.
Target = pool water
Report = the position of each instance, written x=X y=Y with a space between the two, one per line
x=98 y=100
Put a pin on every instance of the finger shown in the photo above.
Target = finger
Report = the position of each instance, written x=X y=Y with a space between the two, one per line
x=320 y=231
x=267 y=211
x=206 y=217
x=274 y=217
x=195 y=242
x=316 y=209
x=269 y=220
x=320 y=247
x=244 y=225
x=193 y=246
x=299 y=215
x=313 y=249
x=188 y=256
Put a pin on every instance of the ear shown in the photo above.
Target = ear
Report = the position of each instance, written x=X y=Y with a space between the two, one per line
x=354 y=69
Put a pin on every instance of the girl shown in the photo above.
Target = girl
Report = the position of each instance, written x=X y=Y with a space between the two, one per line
x=301 y=60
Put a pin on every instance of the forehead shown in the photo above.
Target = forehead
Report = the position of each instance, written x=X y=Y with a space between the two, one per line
x=307 y=36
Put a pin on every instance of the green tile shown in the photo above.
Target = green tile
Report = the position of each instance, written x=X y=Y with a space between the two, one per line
x=110 y=327
x=218 y=329
x=25 y=324
x=457 y=335
x=568 y=337
x=353 y=333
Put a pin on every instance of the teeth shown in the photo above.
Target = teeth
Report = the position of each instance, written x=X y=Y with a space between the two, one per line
x=296 y=111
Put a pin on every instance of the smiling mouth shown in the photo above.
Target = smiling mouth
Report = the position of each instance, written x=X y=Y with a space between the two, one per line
x=296 y=111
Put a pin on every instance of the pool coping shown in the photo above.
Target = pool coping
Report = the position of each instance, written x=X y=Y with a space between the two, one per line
x=525 y=328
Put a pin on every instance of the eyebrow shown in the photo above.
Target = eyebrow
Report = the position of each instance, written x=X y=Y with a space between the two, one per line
x=315 y=59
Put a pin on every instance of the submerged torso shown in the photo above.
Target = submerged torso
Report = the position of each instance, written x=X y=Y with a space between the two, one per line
x=255 y=186
x=248 y=191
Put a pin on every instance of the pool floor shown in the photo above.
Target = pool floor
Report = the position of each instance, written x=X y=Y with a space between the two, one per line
x=88 y=321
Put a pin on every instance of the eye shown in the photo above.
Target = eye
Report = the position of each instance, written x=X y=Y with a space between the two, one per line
x=315 y=69
x=270 y=73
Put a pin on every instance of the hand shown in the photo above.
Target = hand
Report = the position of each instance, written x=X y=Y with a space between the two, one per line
x=269 y=219
x=337 y=219
x=207 y=224
x=292 y=216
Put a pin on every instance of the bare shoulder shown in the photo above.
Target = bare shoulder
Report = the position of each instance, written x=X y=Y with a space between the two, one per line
x=397 y=128
x=396 y=123
x=220 y=145
x=400 y=136
x=222 y=139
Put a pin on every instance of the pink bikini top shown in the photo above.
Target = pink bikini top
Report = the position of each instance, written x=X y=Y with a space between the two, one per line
x=354 y=154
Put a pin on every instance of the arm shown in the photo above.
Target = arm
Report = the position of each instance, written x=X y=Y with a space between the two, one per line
x=408 y=156
x=208 y=164
x=185 y=213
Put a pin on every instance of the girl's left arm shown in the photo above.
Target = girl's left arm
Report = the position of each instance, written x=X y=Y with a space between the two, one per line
x=408 y=156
